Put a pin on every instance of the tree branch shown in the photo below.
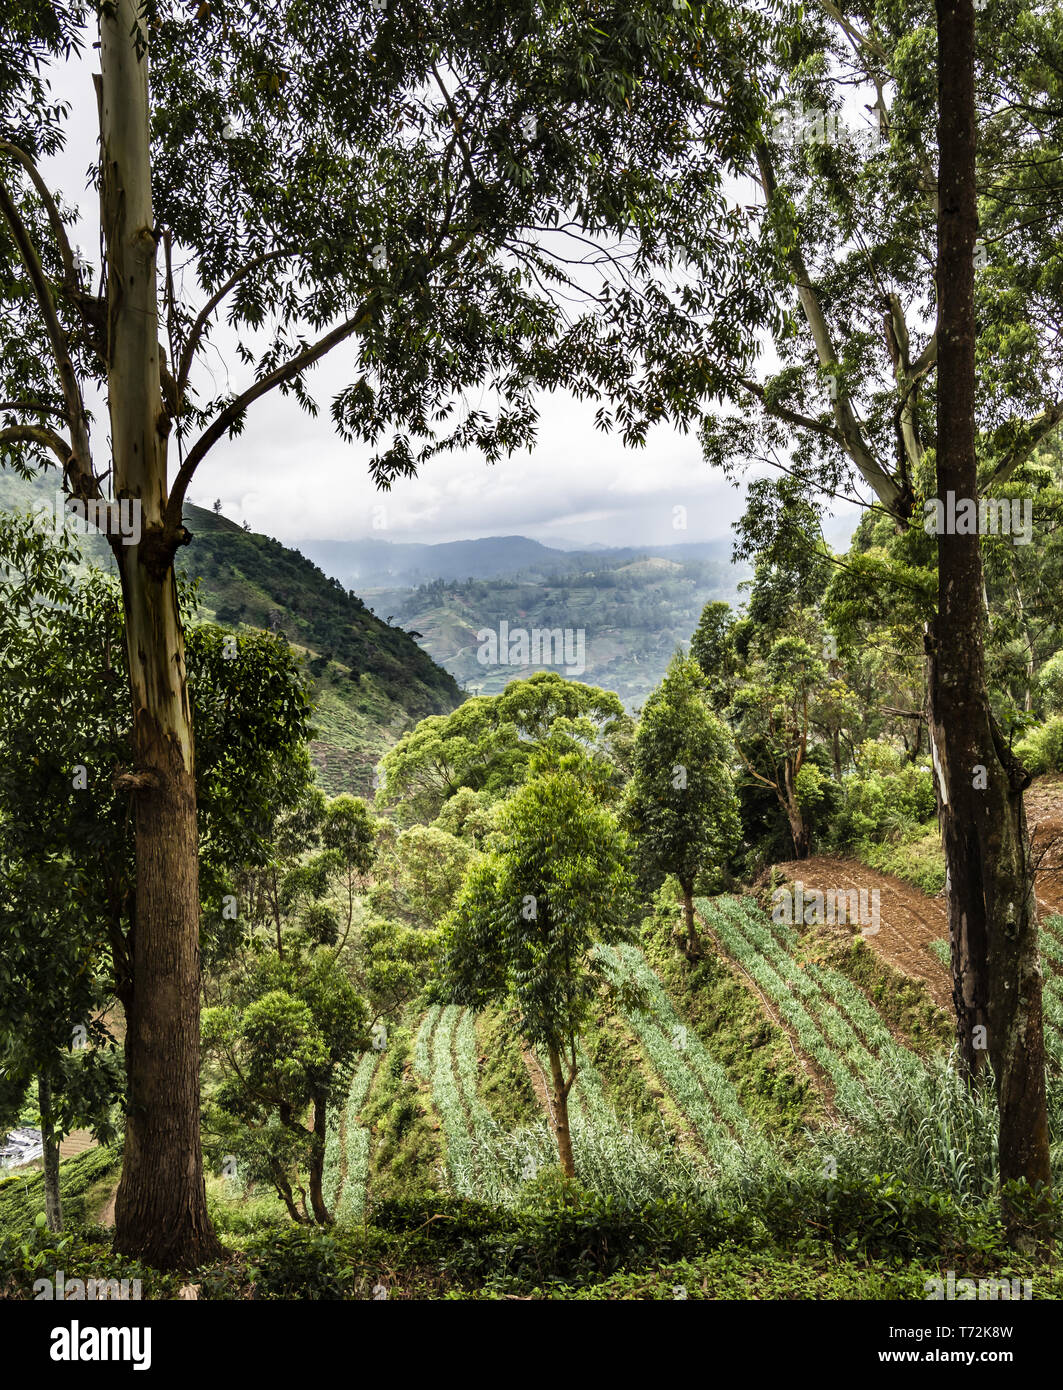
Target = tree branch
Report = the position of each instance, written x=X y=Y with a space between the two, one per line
x=58 y=230
x=1034 y=432
x=919 y=715
x=78 y=463
x=892 y=496
x=754 y=773
x=236 y=407
x=202 y=319
x=37 y=434
x=899 y=346
x=42 y=406
x=792 y=417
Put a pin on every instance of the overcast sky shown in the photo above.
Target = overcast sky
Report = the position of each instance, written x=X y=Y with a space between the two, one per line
x=291 y=477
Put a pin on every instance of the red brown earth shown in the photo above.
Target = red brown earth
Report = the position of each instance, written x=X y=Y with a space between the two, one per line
x=1044 y=814
x=910 y=920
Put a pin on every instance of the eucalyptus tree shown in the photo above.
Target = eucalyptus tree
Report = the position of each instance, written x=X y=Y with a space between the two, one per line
x=854 y=214
x=455 y=195
x=67 y=873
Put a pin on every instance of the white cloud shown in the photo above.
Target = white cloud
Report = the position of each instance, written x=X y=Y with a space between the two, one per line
x=290 y=476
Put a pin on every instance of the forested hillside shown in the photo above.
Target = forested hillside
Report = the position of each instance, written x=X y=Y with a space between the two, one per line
x=370 y=679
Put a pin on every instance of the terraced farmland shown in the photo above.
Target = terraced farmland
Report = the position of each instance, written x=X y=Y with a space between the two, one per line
x=699 y=1086
x=486 y=1161
x=481 y=1159
x=705 y=1134
x=832 y=1020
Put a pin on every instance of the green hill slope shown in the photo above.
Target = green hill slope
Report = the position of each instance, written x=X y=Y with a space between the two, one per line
x=372 y=681
x=632 y=616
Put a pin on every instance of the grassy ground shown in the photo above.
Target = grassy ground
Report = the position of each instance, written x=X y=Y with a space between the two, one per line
x=816 y=1240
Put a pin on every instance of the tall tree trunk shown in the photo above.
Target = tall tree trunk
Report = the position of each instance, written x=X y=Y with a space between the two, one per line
x=53 y=1210
x=161 y=1209
x=792 y=807
x=561 y=1088
x=322 y=1215
x=991 y=906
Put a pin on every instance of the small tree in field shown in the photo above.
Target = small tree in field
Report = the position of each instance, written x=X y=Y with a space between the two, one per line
x=681 y=805
x=528 y=918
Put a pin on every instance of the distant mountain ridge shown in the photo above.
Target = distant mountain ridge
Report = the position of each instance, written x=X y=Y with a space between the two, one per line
x=370 y=563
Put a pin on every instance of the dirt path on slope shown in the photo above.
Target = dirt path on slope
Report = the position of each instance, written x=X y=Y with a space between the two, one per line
x=1044 y=814
x=908 y=919
x=105 y=1216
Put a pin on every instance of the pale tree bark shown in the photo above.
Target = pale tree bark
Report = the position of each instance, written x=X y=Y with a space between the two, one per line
x=895 y=495
x=161 y=1210
x=991 y=905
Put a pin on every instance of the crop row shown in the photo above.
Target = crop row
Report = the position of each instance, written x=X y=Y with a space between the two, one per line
x=776 y=942
x=612 y=1159
x=485 y=1161
x=422 y=1048
x=699 y=1085
x=482 y=1159
x=343 y=1185
x=447 y=1095
x=826 y=1037
x=332 y=1173
x=352 y=1193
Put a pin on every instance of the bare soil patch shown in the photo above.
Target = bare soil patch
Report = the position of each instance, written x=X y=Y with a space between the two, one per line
x=908 y=919
x=1044 y=815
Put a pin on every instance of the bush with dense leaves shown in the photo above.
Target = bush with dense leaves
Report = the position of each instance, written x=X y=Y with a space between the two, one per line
x=887 y=798
x=1042 y=748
